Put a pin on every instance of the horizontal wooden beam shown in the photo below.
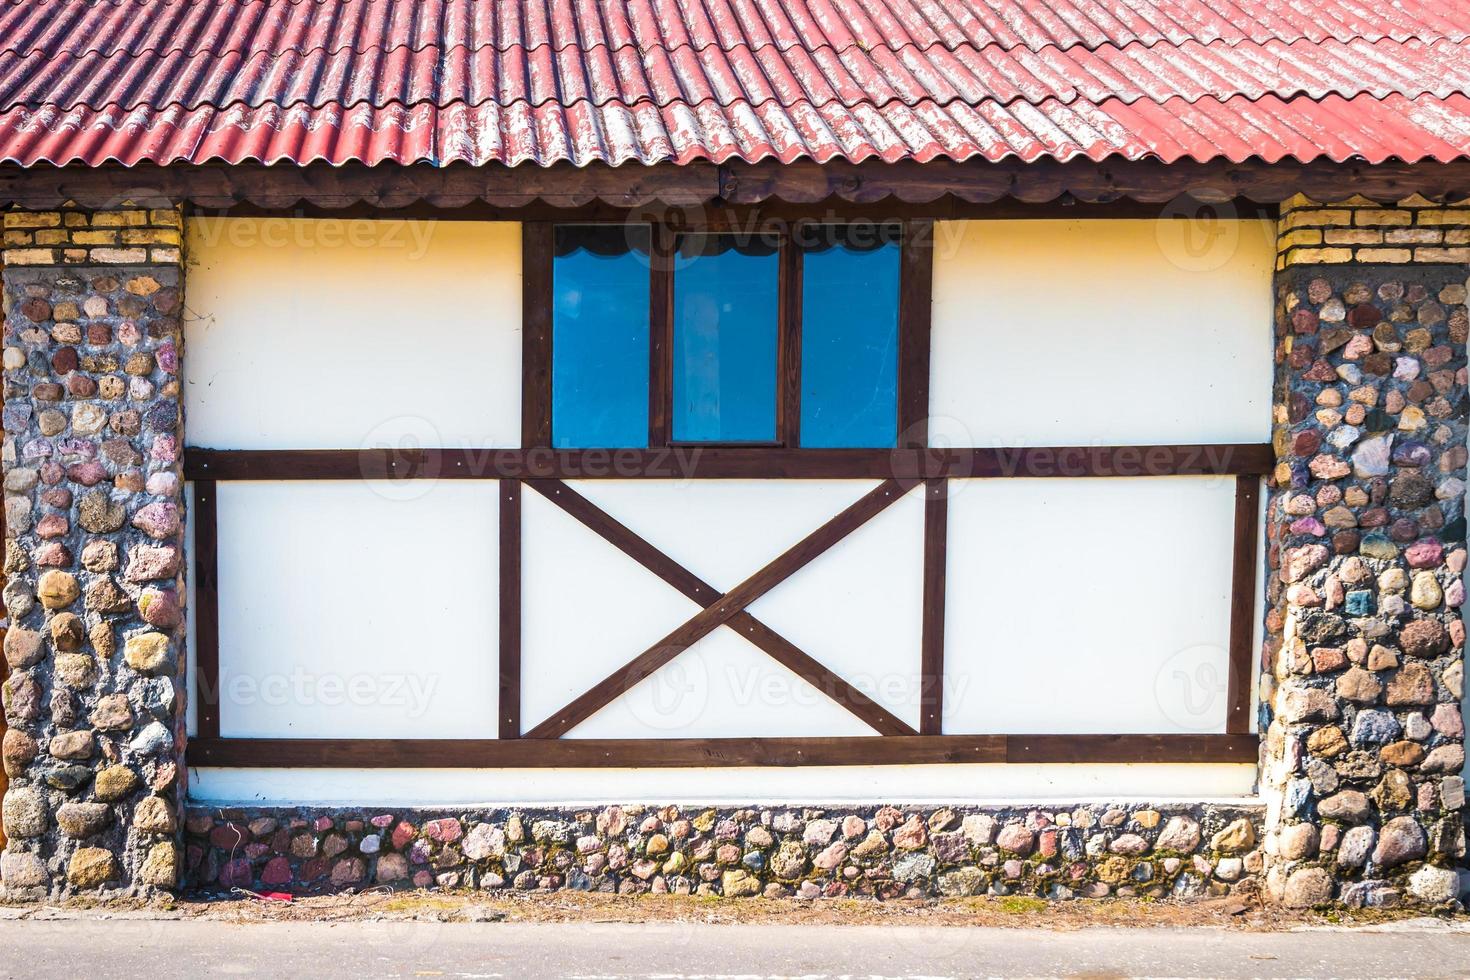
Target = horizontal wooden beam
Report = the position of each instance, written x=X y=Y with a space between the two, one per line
x=702 y=184
x=680 y=463
x=530 y=753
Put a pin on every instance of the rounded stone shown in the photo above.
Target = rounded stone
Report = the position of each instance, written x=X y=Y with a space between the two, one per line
x=83 y=820
x=1298 y=841
x=23 y=648
x=91 y=867
x=77 y=746
x=1308 y=887
x=76 y=670
x=114 y=783
x=1401 y=840
x=98 y=513
x=1422 y=638
x=161 y=867
x=23 y=812
x=1434 y=886
x=19 y=749
x=147 y=653
x=57 y=590
x=154 y=815
x=160 y=608
x=20 y=869
x=68 y=632
x=112 y=713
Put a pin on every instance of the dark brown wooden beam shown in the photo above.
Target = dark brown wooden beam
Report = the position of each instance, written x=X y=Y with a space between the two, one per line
x=915 y=312
x=206 y=612
x=528 y=753
x=702 y=184
x=1131 y=748
x=697 y=590
x=720 y=612
x=510 y=609
x=931 y=641
x=698 y=462
x=536 y=315
x=1243 y=604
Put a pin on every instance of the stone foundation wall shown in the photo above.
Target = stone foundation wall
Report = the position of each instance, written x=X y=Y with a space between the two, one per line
x=1091 y=850
x=1364 y=661
x=92 y=551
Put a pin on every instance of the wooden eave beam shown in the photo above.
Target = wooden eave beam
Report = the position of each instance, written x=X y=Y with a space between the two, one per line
x=952 y=188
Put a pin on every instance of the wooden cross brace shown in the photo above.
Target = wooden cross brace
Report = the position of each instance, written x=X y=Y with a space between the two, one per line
x=720 y=609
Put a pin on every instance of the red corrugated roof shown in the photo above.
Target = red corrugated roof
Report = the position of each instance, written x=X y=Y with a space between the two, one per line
x=544 y=81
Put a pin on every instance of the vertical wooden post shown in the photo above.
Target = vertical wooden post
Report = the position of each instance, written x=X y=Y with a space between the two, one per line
x=1243 y=605
x=510 y=609
x=936 y=541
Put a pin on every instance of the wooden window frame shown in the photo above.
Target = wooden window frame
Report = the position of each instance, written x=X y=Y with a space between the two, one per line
x=911 y=465
x=916 y=240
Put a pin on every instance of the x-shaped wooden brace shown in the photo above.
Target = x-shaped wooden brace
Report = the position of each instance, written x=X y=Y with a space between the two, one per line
x=720 y=610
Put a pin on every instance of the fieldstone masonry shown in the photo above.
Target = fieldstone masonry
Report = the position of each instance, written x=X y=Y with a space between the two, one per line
x=93 y=549
x=1364 y=661
x=1090 y=850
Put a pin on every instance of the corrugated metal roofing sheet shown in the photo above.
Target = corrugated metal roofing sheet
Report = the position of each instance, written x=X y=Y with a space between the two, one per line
x=603 y=75
x=54 y=26
x=1271 y=129
x=544 y=81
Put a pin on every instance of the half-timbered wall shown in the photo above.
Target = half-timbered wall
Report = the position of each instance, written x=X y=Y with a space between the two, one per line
x=373 y=607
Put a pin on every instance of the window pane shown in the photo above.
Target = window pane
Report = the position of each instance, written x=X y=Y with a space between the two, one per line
x=599 y=337
x=725 y=324
x=849 y=336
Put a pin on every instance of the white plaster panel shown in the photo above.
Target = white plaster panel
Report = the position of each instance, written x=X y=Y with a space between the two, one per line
x=358 y=610
x=724 y=531
x=586 y=608
x=864 y=785
x=340 y=334
x=1115 y=332
x=1089 y=605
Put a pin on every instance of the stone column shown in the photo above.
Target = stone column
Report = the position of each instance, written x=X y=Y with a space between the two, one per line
x=1364 y=674
x=93 y=549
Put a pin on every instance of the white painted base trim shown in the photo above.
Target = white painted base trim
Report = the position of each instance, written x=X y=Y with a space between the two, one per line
x=975 y=784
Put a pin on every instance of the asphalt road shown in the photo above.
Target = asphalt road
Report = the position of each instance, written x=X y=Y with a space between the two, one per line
x=159 y=950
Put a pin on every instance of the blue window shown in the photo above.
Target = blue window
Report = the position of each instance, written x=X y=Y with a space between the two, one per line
x=776 y=338
x=849 y=336
x=599 y=346
x=726 y=327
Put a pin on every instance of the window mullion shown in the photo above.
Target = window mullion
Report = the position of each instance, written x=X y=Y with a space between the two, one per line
x=788 y=356
x=661 y=336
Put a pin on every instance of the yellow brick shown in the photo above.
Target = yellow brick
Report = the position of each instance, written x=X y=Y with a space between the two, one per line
x=1417 y=201
x=1383 y=216
x=1455 y=255
x=1318 y=256
x=167 y=217
x=118 y=219
x=1353 y=236
x=1445 y=216
x=74 y=255
x=1297 y=201
x=1356 y=201
x=165 y=256
x=1316 y=216
x=119 y=256
x=32 y=219
x=1414 y=236
x=1393 y=255
x=51 y=236
x=76 y=219
x=1302 y=236
x=18 y=238
x=30 y=256
x=94 y=237
x=1457 y=236
x=151 y=236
